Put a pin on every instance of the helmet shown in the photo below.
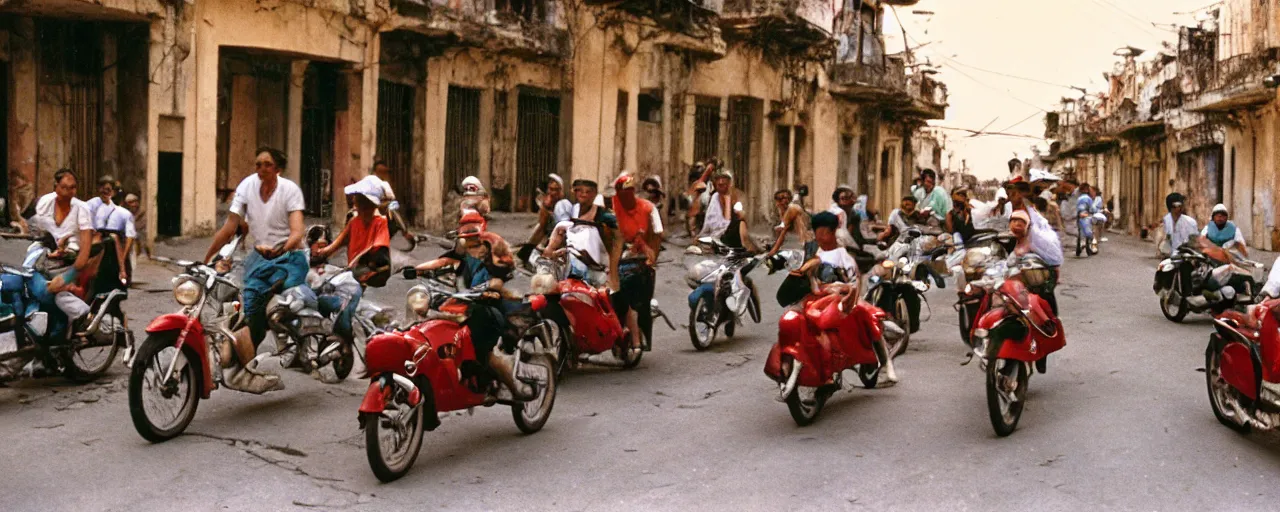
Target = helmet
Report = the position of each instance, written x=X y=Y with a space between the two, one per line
x=471 y=224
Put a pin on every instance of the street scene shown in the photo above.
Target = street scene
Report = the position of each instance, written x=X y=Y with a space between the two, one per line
x=551 y=254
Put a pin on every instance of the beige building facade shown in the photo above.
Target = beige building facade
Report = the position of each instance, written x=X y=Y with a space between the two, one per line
x=174 y=97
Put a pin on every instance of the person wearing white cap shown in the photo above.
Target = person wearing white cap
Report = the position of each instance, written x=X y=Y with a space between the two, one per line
x=368 y=242
x=554 y=209
x=1223 y=233
x=474 y=196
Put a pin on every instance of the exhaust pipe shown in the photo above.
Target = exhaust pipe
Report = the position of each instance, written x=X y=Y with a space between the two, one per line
x=785 y=389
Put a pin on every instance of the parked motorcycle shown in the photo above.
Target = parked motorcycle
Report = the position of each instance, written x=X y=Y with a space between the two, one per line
x=431 y=367
x=807 y=370
x=1015 y=329
x=1242 y=367
x=27 y=310
x=721 y=296
x=899 y=282
x=1217 y=281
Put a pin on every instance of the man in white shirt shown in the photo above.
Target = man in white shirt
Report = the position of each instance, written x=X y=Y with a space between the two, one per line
x=73 y=232
x=270 y=208
x=106 y=191
x=1178 y=227
x=1044 y=242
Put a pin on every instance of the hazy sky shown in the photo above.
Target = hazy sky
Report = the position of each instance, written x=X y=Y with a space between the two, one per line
x=1065 y=42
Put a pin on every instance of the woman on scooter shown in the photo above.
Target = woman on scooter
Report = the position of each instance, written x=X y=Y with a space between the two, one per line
x=833 y=270
x=484 y=258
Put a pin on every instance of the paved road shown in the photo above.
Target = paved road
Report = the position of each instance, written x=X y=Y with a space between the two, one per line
x=1121 y=421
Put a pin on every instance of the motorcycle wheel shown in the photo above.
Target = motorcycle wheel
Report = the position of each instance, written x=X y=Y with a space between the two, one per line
x=403 y=440
x=702 y=328
x=532 y=415
x=963 y=312
x=564 y=351
x=343 y=365
x=805 y=413
x=622 y=350
x=730 y=327
x=1042 y=365
x=307 y=350
x=1005 y=411
x=1222 y=397
x=869 y=375
x=91 y=357
x=902 y=316
x=181 y=395
x=1174 y=312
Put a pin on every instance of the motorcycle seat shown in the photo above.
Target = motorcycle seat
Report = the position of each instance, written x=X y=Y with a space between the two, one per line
x=1248 y=323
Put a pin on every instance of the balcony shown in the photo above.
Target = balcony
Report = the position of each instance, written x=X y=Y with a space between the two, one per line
x=928 y=97
x=1237 y=83
x=798 y=23
x=871 y=82
x=526 y=28
x=691 y=25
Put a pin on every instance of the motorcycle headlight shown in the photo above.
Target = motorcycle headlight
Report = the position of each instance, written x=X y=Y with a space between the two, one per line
x=186 y=292
x=418 y=301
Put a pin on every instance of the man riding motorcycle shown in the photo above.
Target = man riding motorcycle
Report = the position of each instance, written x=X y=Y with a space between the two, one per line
x=368 y=242
x=1223 y=233
x=554 y=209
x=844 y=206
x=791 y=217
x=270 y=207
x=598 y=244
x=485 y=259
x=1039 y=238
x=640 y=229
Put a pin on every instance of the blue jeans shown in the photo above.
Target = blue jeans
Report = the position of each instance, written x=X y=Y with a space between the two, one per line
x=345 y=306
x=259 y=275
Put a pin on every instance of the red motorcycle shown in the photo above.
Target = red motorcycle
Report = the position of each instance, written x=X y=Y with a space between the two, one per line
x=807 y=368
x=1014 y=329
x=431 y=367
x=1242 y=367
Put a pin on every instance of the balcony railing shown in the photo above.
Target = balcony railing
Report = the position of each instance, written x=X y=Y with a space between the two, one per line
x=817 y=15
x=887 y=77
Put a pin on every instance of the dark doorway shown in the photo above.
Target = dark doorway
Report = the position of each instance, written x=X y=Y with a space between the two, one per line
x=742 y=135
x=319 y=99
x=70 y=88
x=395 y=142
x=706 y=129
x=169 y=186
x=538 y=144
x=462 y=136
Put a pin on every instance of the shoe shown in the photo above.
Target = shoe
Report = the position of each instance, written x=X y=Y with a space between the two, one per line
x=892 y=332
x=888 y=377
x=1103 y=239
x=249 y=380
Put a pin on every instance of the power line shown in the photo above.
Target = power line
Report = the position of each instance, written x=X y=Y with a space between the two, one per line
x=1015 y=125
x=1006 y=75
x=978 y=133
x=1137 y=22
x=911 y=39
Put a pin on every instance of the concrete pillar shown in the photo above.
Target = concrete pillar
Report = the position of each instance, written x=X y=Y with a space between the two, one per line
x=200 y=178
x=293 y=140
x=723 y=143
x=371 y=70
x=791 y=157
x=244 y=130
x=633 y=127
x=22 y=116
x=688 y=113
x=434 y=103
x=488 y=140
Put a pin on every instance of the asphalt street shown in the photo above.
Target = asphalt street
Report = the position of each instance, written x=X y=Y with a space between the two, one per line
x=1120 y=422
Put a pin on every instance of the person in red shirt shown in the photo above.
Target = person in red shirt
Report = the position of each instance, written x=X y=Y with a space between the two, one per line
x=368 y=243
x=640 y=227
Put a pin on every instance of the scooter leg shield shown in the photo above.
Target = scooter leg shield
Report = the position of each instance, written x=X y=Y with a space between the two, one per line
x=1239 y=368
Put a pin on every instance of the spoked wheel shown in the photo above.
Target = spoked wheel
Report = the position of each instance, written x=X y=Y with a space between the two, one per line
x=1224 y=398
x=559 y=341
x=538 y=371
x=91 y=356
x=702 y=324
x=1006 y=393
x=1172 y=303
x=869 y=375
x=901 y=316
x=162 y=408
x=805 y=404
x=393 y=438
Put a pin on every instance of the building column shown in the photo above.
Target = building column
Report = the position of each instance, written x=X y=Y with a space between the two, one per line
x=22 y=116
x=200 y=171
x=110 y=111
x=791 y=157
x=435 y=103
x=293 y=139
x=633 y=127
x=369 y=103
x=688 y=114
x=487 y=141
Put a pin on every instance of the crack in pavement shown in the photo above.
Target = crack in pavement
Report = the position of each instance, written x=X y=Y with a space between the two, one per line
x=251 y=447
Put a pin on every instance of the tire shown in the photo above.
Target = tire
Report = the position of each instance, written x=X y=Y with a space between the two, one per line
x=531 y=416
x=630 y=358
x=1005 y=419
x=965 y=328
x=900 y=312
x=701 y=341
x=81 y=368
x=805 y=414
x=1166 y=308
x=564 y=348
x=389 y=470
x=1221 y=393
x=343 y=365
x=913 y=309
x=1042 y=365
x=869 y=375
x=730 y=327
x=140 y=384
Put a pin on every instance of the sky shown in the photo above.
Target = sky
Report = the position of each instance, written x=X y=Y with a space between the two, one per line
x=973 y=43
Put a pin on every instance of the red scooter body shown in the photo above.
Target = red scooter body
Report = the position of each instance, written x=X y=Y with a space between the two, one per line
x=1027 y=344
x=191 y=334
x=595 y=326
x=1251 y=354
x=851 y=334
x=437 y=348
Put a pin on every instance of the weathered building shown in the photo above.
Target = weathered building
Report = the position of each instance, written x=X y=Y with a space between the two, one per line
x=173 y=97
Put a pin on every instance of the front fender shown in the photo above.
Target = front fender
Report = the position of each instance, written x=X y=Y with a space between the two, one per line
x=702 y=289
x=381 y=389
x=191 y=334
